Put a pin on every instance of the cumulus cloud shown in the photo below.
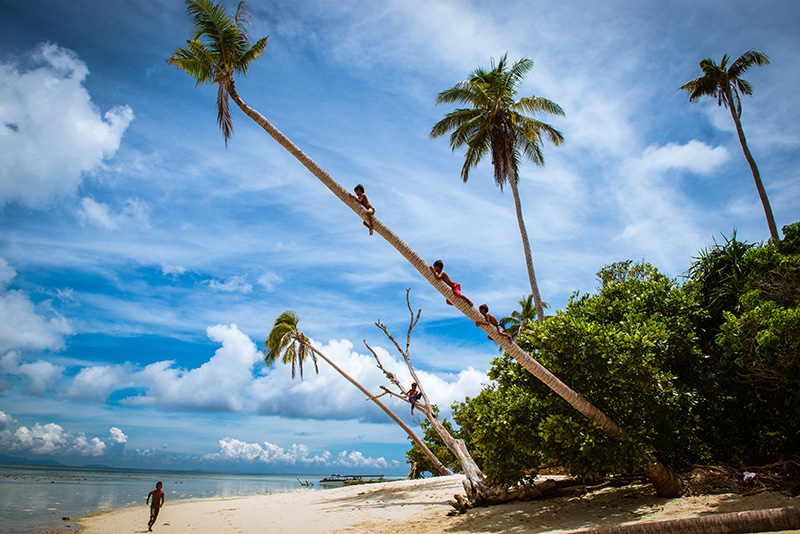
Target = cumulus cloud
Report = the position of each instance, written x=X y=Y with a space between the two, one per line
x=355 y=459
x=25 y=325
x=695 y=156
x=117 y=435
x=234 y=450
x=5 y=419
x=51 y=439
x=40 y=374
x=50 y=131
x=216 y=385
x=96 y=383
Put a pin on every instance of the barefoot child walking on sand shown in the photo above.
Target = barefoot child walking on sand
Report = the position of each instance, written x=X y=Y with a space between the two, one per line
x=362 y=198
x=155 y=506
x=437 y=267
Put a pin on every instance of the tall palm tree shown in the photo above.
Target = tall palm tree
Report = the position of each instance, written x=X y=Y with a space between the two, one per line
x=725 y=83
x=219 y=45
x=287 y=343
x=495 y=123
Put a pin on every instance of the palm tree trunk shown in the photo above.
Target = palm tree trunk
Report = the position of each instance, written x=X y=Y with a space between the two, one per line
x=762 y=193
x=440 y=468
x=526 y=245
x=776 y=519
x=524 y=359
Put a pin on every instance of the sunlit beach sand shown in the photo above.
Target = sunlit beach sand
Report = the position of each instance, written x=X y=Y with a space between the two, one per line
x=421 y=506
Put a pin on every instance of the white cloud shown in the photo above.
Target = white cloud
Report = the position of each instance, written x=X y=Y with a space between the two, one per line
x=234 y=380
x=117 y=436
x=5 y=419
x=96 y=383
x=355 y=460
x=168 y=270
x=234 y=284
x=695 y=156
x=234 y=450
x=7 y=274
x=133 y=211
x=40 y=374
x=50 y=132
x=97 y=213
x=268 y=281
x=52 y=439
x=24 y=325
x=217 y=385
x=231 y=449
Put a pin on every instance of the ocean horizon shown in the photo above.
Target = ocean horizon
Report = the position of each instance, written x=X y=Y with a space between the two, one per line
x=36 y=499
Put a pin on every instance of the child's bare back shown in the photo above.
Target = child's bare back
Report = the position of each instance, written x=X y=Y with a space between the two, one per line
x=364 y=201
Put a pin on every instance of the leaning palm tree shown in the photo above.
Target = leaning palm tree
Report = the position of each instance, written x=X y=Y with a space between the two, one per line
x=725 y=83
x=493 y=122
x=218 y=50
x=287 y=343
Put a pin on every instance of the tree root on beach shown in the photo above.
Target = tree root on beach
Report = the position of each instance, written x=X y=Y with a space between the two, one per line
x=772 y=520
x=549 y=488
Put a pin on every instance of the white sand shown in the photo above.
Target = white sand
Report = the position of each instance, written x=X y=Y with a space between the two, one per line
x=419 y=507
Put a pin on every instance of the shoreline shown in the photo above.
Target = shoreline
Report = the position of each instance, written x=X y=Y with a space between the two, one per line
x=420 y=506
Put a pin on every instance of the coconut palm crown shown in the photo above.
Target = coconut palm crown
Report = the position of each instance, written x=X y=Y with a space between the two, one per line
x=218 y=49
x=494 y=122
x=519 y=320
x=288 y=343
x=726 y=84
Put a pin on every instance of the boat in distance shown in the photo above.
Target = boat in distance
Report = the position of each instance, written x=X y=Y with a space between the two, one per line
x=350 y=480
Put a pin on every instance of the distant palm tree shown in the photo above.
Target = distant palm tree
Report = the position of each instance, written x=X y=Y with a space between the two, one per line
x=495 y=123
x=287 y=343
x=220 y=46
x=725 y=83
x=521 y=319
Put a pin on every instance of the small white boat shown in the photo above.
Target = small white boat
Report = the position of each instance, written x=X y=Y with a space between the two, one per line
x=350 y=480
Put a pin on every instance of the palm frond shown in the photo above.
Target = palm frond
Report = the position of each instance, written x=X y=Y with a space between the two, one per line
x=493 y=121
x=747 y=60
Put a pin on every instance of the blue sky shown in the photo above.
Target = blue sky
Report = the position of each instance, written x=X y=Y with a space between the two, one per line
x=142 y=263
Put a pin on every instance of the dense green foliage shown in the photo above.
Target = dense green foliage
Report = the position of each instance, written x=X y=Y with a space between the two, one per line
x=707 y=371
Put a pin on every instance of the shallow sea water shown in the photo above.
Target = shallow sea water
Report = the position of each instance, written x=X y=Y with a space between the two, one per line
x=34 y=500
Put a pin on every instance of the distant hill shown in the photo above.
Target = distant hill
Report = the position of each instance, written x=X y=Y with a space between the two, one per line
x=6 y=459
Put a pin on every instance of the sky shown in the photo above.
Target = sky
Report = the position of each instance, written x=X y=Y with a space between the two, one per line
x=143 y=262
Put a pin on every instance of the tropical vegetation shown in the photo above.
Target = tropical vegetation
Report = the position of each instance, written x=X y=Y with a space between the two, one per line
x=673 y=363
x=704 y=371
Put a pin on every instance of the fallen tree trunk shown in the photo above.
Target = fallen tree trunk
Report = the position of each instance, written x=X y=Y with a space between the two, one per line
x=771 y=520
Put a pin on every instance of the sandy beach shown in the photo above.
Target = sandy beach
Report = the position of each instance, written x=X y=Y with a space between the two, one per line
x=420 y=507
